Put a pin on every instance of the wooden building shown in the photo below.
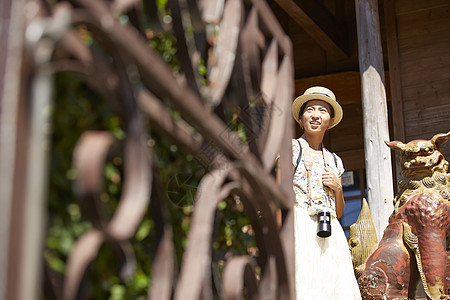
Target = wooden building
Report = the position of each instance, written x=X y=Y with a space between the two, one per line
x=415 y=51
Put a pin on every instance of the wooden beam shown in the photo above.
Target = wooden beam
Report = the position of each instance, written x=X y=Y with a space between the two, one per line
x=375 y=119
x=319 y=23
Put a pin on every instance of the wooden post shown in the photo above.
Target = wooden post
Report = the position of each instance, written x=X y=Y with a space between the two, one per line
x=11 y=30
x=375 y=119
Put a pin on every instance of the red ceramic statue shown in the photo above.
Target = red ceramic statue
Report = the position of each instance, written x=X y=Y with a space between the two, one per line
x=415 y=243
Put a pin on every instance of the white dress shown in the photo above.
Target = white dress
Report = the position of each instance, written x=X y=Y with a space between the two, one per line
x=323 y=266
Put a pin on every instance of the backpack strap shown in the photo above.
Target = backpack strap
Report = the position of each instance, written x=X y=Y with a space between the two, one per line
x=308 y=164
x=326 y=158
x=335 y=159
x=299 y=156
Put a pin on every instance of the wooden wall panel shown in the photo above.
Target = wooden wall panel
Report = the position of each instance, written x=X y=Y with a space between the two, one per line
x=348 y=135
x=410 y=6
x=426 y=94
x=428 y=120
x=304 y=46
x=423 y=31
x=345 y=85
x=426 y=24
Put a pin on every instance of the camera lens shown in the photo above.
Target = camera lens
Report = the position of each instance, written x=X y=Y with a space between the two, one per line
x=324 y=229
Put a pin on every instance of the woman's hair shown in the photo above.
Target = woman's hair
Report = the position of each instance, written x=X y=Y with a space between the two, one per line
x=302 y=109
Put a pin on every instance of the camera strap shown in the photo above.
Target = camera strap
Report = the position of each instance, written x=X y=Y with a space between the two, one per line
x=303 y=143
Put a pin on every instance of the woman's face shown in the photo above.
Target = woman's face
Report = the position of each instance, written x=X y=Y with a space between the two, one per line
x=316 y=116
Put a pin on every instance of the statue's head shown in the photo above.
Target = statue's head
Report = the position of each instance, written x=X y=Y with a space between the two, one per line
x=422 y=157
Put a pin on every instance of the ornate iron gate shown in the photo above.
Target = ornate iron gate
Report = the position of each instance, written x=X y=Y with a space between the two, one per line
x=250 y=67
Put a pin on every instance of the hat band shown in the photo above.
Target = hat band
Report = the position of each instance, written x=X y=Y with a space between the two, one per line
x=322 y=95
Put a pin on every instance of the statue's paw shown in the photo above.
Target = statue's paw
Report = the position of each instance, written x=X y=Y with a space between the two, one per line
x=373 y=284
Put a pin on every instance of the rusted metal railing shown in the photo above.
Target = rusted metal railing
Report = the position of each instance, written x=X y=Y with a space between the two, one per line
x=250 y=67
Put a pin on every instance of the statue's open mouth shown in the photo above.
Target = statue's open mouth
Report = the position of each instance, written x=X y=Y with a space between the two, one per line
x=417 y=163
x=421 y=164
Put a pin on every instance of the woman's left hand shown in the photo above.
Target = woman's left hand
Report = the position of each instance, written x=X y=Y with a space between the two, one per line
x=331 y=180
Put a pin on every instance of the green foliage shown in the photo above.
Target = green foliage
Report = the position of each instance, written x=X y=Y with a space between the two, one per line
x=234 y=231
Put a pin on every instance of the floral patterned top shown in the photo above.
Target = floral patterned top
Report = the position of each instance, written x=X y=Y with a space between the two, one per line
x=322 y=197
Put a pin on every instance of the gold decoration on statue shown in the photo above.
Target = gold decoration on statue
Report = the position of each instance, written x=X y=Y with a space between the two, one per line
x=362 y=239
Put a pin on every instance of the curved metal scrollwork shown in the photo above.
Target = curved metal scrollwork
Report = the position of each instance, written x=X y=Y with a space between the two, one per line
x=249 y=68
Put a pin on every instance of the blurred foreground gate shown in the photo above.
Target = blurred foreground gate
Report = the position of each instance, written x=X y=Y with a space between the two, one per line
x=249 y=66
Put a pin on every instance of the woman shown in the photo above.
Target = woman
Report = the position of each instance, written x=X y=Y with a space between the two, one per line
x=323 y=266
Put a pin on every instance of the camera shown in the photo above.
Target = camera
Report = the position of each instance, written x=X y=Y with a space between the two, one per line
x=324 y=227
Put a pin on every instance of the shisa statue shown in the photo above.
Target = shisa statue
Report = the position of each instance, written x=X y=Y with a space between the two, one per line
x=415 y=243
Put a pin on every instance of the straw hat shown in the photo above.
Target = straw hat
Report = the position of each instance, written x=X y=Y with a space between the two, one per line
x=318 y=93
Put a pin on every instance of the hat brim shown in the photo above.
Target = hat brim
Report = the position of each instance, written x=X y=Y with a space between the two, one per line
x=300 y=100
